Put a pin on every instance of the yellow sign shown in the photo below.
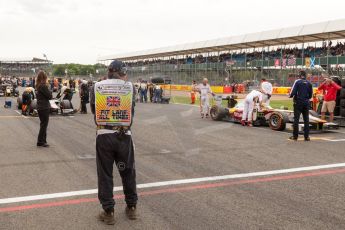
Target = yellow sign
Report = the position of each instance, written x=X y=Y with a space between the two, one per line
x=217 y=89
x=113 y=103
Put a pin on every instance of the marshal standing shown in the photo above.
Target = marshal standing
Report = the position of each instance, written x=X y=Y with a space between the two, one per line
x=112 y=103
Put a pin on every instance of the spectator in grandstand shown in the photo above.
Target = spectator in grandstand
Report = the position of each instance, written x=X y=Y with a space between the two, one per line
x=330 y=89
x=286 y=53
x=301 y=92
x=43 y=107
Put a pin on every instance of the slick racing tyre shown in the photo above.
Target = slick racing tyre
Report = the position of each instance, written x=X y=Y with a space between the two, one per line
x=66 y=104
x=277 y=121
x=313 y=113
x=217 y=113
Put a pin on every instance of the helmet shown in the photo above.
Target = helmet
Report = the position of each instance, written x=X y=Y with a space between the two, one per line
x=117 y=67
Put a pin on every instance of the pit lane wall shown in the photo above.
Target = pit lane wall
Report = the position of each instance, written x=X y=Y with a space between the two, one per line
x=228 y=89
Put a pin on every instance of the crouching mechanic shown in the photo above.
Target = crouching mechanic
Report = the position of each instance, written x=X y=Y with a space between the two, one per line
x=249 y=102
x=27 y=97
x=112 y=103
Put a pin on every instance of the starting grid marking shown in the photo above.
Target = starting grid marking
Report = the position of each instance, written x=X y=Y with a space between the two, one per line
x=174 y=182
x=32 y=117
x=320 y=139
x=334 y=140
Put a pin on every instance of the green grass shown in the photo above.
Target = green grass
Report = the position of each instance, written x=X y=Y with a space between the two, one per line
x=277 y=104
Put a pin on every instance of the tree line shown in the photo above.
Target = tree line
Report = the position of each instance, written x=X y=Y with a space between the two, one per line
x=78 y=69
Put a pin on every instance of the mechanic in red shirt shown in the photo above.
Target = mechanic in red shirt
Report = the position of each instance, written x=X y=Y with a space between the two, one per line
x=330 y=89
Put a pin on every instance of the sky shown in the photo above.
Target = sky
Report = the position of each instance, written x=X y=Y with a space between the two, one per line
x=80 y=31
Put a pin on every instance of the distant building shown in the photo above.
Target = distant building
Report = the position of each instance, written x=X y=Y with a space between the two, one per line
x=23 y=66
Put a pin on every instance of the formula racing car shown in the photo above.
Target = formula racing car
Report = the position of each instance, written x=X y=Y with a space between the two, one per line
x=276 y=119
x=57 y=105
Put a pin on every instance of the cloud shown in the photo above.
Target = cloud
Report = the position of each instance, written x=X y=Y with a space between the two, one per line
x=80 y=30
x=38 y=7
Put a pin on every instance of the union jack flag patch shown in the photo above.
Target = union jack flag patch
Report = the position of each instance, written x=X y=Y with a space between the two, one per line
x=113 y=101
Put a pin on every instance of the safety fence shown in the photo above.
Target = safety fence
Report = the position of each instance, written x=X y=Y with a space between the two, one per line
x=279 y=71
x=229 y=89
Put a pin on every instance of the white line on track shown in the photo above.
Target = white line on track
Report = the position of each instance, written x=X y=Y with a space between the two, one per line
x=20 y=114
x=338 y=132
x=171 y=182
x=176 y=103
x=335 y=140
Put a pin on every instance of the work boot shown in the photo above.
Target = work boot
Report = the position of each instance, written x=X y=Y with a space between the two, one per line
x=293 y=138
x=131 y=212
x=107 y=217
x=42 y=145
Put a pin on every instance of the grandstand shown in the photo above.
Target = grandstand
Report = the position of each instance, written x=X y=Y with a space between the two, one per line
x=23 y=66
x=275 y=54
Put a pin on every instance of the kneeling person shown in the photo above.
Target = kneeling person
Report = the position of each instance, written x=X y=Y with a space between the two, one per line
x=112 y=103
x=27 y=97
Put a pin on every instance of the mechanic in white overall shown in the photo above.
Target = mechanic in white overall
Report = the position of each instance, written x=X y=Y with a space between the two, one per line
x=204 y=89
x=267 y=90
x=249 y=102
x=61 y=93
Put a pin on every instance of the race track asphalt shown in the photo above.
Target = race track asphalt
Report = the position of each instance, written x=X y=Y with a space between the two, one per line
x=172 y=142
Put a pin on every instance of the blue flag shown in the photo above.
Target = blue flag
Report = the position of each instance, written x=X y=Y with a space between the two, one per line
x=312 y=62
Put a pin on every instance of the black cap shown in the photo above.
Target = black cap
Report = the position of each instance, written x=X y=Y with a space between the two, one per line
x=302 y=74
x=117 y=67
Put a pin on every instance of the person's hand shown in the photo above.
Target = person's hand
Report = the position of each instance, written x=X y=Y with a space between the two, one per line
x=328 y=81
